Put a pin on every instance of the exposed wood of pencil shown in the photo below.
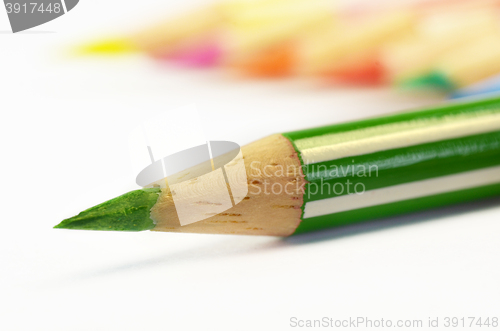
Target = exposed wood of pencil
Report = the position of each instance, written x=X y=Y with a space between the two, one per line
x=263 y=213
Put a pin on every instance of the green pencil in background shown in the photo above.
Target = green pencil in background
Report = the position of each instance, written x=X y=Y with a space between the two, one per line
x=334 y=175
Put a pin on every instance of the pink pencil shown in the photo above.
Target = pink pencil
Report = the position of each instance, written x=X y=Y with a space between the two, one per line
x=204 y=55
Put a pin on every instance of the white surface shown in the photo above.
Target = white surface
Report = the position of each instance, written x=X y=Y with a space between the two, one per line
x=64 y=131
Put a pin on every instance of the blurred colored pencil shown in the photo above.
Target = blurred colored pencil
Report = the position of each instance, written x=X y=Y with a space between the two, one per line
x=416 y=55
x=438 y=44
x=487 y=87
x=363 y=37
x=467 y=65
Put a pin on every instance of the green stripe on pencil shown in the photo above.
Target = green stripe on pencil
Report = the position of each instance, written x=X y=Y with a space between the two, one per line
x=336 y=175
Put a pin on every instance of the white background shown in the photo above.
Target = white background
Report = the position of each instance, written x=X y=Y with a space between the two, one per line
x=64 y=129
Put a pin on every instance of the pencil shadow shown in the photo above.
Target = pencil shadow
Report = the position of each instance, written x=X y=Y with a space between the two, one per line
x=233 y=246
x=240 y=246
x=391 y=222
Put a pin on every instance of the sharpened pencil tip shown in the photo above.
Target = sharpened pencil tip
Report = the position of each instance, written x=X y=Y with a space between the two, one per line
x=128 y=212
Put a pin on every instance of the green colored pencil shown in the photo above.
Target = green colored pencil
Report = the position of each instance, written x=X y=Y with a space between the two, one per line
x=329 y=176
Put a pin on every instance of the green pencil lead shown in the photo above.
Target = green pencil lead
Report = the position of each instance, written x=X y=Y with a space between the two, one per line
x=128 y=212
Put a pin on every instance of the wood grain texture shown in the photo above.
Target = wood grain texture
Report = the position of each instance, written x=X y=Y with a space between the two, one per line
x=271 y=164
